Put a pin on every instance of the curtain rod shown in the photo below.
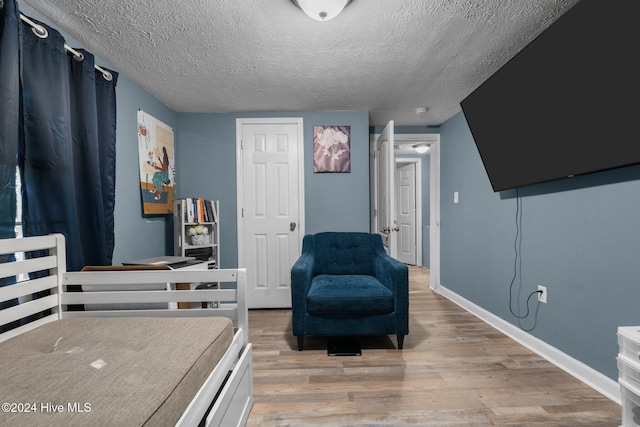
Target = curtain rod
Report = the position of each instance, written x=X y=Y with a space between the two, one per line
x=42 y=32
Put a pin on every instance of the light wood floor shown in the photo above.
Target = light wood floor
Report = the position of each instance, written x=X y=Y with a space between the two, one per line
x=455 y=370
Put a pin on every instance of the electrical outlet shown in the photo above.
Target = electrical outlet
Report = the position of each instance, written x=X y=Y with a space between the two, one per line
x=542 y=294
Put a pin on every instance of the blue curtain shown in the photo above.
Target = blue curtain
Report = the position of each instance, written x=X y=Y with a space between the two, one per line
x=66 y=147
x=9 y=129
x=106 y=113
x=9 y=119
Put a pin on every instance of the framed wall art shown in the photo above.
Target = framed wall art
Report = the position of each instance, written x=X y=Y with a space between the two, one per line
x=157 y=165
x=332 y=149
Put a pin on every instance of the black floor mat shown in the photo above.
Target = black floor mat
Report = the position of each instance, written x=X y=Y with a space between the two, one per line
x=343 y=346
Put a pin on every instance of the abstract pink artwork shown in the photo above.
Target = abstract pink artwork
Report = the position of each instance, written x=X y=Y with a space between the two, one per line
x=332 y=149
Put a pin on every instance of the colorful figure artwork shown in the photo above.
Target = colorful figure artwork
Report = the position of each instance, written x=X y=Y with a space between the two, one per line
x=157 y=165
x=332 y=149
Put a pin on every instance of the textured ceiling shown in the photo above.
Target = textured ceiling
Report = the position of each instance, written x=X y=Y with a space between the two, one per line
x=385 y=56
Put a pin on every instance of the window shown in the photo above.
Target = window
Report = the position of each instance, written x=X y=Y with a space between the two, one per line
x=18 y=227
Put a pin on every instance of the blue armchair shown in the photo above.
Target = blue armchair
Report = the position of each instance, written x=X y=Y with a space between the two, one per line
x=344 y=284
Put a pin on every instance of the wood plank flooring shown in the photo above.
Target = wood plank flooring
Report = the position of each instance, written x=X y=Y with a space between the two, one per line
x=454 y=370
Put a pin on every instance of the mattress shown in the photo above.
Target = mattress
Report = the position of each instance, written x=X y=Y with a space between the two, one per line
x=108 y=371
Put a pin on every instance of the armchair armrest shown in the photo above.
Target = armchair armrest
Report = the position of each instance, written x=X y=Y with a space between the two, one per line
x=395 y=276
x=301 y=276
x=392 y=273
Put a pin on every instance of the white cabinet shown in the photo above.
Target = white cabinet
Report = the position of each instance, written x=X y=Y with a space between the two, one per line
x=196 y=224
x=629 y=374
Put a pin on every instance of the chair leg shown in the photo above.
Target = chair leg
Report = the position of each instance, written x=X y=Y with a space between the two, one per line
x=300 y=342
x=400 y=341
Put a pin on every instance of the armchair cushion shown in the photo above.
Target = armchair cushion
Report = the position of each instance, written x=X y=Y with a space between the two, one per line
x=348 y=295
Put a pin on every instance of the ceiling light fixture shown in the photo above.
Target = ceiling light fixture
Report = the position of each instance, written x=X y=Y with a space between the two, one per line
x=421 y=148
x=321 y=10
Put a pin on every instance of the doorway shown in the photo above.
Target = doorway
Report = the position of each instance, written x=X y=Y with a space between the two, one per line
x=403 y=147
x=409 y=210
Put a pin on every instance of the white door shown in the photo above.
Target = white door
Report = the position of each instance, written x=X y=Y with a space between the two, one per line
x=270 y=207
x=406 y=194
x=383 y=178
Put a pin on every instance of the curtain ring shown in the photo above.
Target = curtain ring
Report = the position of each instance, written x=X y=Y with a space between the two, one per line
x=105 y=74
x=40 y=31
x=78 y=56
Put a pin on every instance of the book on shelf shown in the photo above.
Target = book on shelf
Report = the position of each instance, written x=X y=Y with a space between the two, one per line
x=214 y=211
x=201 y=211
x=198 y=210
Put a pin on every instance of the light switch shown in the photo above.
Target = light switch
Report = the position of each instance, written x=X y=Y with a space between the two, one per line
x=455 y=197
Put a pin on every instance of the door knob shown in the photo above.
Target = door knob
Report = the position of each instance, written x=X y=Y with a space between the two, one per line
x=386 y=230
x=396 y=229
x=292 y=226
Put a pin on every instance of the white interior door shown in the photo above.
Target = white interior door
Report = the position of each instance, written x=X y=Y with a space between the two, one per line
x=406 y=195
x=383 y=180
x=270 y=207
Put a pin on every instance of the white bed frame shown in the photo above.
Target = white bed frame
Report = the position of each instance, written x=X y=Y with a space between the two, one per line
x=231 y=380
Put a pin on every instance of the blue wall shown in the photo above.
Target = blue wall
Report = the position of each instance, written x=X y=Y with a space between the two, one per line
x=136 y=235
x=580 y=239
x=206 y=167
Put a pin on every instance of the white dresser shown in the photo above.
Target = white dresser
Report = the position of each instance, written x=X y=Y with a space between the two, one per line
x=629 y=374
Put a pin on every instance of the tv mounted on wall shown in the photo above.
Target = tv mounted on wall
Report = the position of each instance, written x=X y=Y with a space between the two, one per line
x=566 y=104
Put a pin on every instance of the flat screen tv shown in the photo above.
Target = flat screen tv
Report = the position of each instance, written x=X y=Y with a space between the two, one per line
x=566 y=104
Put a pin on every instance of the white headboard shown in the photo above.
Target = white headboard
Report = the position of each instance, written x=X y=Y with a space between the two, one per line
x=47 y=256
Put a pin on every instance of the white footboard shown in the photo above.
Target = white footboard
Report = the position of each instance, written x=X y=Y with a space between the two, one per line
x=232 y=378
x=231 y=300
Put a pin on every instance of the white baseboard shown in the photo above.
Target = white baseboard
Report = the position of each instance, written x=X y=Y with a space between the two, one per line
x=594 y=379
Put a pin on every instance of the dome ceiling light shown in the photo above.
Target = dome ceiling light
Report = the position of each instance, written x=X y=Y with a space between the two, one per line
x=421 y=148
x=321 y=10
